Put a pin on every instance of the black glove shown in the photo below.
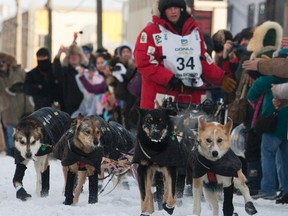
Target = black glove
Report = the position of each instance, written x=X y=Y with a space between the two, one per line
x=17 y=87
x=174 y=83
x=22 y=194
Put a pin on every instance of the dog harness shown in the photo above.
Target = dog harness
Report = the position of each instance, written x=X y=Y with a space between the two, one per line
x=228 y=165
x=69 y=154
x=170 y=155
x=54 y=124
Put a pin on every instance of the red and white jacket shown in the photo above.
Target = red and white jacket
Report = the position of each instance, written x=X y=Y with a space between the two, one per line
x=155 y=77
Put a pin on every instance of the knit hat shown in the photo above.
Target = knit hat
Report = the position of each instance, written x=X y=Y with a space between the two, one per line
x=245 y=33
x=164 y=4
x=43 y=52
x=87 y=48
x=124 y=47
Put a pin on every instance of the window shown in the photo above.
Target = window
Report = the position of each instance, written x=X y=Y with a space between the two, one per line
x=261 y=12
x=251 y=14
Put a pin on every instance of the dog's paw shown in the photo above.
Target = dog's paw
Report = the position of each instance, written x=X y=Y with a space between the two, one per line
x=250 y=208
x=44 y=193
x=22 y=194
x=168 y=209
x=68 y=202
x=93 y=200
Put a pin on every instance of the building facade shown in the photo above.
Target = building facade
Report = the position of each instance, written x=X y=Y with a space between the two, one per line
x=64 y=24
x=211 y=16
x=249 y=13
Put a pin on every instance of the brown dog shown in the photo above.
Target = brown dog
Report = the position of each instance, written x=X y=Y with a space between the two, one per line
x=80 y=153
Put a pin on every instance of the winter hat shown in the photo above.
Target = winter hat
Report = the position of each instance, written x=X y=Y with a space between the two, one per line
x=43 y=52
x=266 y=37
x=87 y=48
x=220 y=38
x=164 y=4
x=245 y=33
x=124 y=47
x=9 y=59
x=75 y=50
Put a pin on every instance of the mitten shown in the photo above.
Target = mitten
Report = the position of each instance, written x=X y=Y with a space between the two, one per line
x=175 y=83
x=17 y=87
x=228 y=84
x=22 y=194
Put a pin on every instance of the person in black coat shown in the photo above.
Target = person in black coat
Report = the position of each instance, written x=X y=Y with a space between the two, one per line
x=66 y=71
x=40 y=82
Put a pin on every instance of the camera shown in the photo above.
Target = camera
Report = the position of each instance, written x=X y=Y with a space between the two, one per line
x=235 y=44
x=115 y=68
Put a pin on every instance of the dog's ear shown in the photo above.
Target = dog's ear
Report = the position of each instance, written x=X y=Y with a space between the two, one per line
x=79 y=119
x=39 y=129
x=14 y=131
x=228 y=126
x=201 y=122
x=142 y=112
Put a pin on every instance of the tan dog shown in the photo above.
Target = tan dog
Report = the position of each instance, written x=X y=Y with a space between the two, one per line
x=80 y=154
x=215 y=166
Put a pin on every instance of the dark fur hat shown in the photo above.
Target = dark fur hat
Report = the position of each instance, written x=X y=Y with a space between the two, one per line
x=219 y=39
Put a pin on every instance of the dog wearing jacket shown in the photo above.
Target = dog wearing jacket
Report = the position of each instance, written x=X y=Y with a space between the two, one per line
x=34 y=138
x=157 y=151
x=80 y=153
x=82 y=148
x=215 y=166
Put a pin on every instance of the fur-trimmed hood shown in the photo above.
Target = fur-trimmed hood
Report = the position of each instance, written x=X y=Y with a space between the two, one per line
x=155 y=11
x=9 y=59
x=74 y=49
x=266 y=37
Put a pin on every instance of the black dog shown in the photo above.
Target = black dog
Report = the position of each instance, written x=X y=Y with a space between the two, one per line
x=157 y=150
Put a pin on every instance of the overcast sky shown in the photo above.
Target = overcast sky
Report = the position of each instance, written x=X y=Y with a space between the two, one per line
x=113 y=4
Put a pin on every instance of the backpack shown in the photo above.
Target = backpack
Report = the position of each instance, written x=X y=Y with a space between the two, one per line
x=134 y=83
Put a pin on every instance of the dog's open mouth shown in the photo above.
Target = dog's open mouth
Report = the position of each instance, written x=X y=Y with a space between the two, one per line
x=158 y=136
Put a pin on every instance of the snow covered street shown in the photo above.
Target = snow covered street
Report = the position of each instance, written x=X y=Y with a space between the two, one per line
x=118 y=202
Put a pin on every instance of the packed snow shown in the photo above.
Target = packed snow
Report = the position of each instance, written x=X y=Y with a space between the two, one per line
x=112 y=202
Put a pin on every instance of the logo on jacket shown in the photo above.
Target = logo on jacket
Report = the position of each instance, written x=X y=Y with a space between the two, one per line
x=184 y=42
x=143 y=38
x=157 y=39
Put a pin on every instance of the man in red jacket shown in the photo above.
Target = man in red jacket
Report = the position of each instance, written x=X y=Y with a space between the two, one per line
x=170 y=53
